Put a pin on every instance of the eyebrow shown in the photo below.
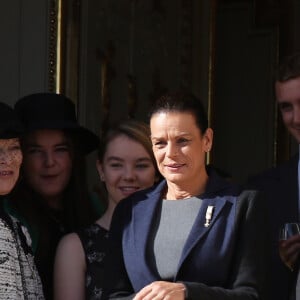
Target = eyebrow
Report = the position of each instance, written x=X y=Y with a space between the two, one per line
x=110 y=158
x=179 y=134
x=39 y=146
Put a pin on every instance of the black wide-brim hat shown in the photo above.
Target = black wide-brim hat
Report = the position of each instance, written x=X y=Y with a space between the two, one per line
x=54 y=111
x=10 y=125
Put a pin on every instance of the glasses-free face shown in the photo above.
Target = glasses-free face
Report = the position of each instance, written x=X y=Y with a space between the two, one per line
x=179 y=147
x=48 y=164
x=10 y=162
x=126 y=168
x=288 y=99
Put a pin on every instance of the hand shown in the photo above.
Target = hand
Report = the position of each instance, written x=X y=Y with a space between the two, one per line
x=162 y=290
x=289 y=251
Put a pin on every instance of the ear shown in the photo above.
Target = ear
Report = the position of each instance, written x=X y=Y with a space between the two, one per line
x=100 y=170
x=208 y=139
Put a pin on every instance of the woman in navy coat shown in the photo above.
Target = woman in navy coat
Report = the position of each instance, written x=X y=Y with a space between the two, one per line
x=193 y=236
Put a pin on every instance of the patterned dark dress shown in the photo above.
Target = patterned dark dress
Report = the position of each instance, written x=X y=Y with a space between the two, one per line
x=94 y=240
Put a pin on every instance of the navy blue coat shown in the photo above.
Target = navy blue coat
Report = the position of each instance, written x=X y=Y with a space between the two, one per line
x=226 y=260
x=280 y=186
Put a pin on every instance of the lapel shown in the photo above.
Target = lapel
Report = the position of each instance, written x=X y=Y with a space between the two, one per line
x=199 y=231
x=218 y=193
x=146 y=210
x=141 y=225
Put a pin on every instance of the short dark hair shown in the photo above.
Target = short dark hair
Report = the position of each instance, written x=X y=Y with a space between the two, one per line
x=289 y=67
x=181 y=101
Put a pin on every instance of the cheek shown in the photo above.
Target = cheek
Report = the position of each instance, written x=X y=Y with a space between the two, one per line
x=67 y=170
x=65 y=162
x=158 y=155
x=286 y=117
x=17 y=160
x=111 y=178
x=147 y=179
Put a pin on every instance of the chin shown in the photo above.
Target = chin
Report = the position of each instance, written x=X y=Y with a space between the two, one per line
x=5 y=191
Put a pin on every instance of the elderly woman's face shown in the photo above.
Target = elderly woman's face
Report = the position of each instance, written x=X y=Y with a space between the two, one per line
x=179 y=146
x=10 y=162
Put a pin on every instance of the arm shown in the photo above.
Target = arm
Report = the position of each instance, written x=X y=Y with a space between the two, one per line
x=69 y=269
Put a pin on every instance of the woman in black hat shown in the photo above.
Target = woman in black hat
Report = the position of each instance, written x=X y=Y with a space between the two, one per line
x=19 y=278
x=53 y=197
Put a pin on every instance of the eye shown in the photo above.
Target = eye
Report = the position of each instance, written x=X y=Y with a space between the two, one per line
x=15 y=148
x=143 y=166
x=115 y=165
x=62 y=149
x=182 y=141
x=159 y=143
x=285 y=107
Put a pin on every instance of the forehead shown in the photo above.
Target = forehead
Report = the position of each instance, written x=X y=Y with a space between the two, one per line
x=8 y=142
x=288 y=91
x=46 y=136
x=173 y=121
x=124 y=146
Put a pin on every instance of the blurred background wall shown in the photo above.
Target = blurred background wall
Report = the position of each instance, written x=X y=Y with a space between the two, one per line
x=113 y=58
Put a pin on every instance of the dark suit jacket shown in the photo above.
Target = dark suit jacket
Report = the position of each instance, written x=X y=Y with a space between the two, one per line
x=226 y=260
x=280 y=186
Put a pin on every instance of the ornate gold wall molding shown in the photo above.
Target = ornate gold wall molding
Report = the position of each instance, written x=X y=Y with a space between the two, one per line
x=54 y=50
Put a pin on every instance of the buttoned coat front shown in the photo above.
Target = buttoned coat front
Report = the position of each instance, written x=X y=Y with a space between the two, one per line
x=226 y=260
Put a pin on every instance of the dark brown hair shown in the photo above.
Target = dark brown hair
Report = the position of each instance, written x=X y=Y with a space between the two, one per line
x=181 y=101
x=289 y=67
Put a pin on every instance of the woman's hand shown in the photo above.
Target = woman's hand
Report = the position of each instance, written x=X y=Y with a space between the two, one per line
x=162 y=290
x=289 y=251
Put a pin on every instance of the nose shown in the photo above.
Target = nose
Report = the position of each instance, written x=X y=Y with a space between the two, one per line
x=5 y=158
x=171 y=150
x=129 y=173
x=49 y=159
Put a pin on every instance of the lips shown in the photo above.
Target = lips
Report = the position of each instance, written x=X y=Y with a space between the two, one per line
x=49 y=177
x=128 y=190
x=174 y=165
x=6 y=173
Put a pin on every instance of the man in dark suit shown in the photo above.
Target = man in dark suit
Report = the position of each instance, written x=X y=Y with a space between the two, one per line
x=281 y=184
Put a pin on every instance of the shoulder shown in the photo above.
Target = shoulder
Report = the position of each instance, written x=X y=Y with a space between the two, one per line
x=69 y=248
x=144 y=196
x=282 y=168
x=69 y=242
x=69 y=253
x=5 y=229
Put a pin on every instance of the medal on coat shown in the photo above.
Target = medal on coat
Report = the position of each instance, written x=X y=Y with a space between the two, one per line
x=208 y=215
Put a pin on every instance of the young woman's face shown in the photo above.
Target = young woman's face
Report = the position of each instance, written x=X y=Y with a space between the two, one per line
x=179 y=146
x=47 y=163
x=126 y=168
x=10 y=162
